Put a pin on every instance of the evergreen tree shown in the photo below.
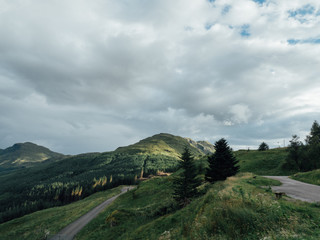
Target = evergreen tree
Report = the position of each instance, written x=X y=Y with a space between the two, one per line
x=222 y=163
x=305 y=157
x=294 y=160
x=314 y=136
x=263 y=147
x=186 y=182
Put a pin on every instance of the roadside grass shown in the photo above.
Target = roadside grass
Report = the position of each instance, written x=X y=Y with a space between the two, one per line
x=238 y=208
x=312 y=177
x=46 y=222
x=149 y=201
x=263 y=162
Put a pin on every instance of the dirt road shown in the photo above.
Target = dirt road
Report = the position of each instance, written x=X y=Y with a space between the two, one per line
x=298 y=190
x=71 y=230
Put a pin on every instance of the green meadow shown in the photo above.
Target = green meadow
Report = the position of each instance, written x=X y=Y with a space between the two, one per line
x=38 y=225
x=242 y=207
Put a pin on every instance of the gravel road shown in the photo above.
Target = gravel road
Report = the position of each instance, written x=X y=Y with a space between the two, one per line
x=298 y=190
x=72 y=229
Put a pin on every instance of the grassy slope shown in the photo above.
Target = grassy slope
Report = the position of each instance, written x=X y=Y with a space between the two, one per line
x=35 y=225
x=312 y=177
x=159 y=152
x=162 y=143
x=234 y=209
x=263 y=162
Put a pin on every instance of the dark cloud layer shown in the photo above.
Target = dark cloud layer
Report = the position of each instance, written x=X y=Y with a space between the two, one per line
x=81 y=76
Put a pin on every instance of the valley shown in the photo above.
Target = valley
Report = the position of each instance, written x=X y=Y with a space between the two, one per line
x=43 y=198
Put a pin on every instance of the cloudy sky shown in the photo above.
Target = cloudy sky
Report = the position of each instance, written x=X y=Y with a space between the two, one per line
x=81 y=75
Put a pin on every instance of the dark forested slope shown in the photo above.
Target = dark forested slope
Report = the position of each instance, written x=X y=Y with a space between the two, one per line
x=74 y=177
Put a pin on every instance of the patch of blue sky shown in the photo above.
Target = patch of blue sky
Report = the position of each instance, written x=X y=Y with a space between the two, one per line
x=226 y=9
x=302 y=14
x=212 y=3
x=259 y=1
x=304 y=41
x=208 y=26
x=245 y=30
x=305 y=10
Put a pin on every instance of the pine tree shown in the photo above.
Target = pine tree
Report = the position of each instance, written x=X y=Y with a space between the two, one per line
x=222 y=163
x=186 y=183
x=263 y=147
x=314 y=137
x=294 y=160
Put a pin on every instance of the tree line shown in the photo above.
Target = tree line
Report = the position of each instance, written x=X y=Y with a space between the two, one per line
x=47 y=195
x=304 y=156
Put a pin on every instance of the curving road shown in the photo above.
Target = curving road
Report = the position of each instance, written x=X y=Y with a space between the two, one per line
x=296 y=189
x=72 y=229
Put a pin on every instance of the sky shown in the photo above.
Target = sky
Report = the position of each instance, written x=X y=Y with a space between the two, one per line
x=89 y=76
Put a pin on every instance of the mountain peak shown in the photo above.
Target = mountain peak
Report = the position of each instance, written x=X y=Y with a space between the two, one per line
x=25 y=154
x=204 y=146
x=168 y=144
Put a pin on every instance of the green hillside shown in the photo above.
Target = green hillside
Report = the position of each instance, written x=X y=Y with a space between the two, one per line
x=234 y=209
x=25 y=155
x=75 y=177
x=49 y=221
x=263 y=162
x=164 y=144
x=312 y=177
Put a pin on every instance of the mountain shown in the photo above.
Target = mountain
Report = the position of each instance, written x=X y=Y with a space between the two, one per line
x=25 y=155
x=54 y=183
x=203 y=146
x=167 y=144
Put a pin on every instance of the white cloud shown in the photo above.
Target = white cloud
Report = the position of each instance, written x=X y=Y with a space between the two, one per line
x=82 y=74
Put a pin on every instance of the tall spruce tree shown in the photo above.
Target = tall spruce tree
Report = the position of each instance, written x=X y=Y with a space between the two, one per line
x=222 y=163
x=263 y=147
x=314 y=136
x=294 y=159
x=186 y=182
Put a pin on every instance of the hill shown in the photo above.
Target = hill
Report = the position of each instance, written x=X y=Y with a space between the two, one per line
x=42 y=224
x=238 y=208
x=25 y=155
x=167 y=144
x=263 y=162
x=75 y=177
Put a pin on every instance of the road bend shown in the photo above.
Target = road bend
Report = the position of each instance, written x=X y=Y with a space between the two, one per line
x=296 y=189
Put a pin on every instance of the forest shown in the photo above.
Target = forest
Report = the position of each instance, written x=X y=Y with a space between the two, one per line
x=60 y=182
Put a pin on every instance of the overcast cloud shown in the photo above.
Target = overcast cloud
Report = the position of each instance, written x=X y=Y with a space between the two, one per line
x=80 y=76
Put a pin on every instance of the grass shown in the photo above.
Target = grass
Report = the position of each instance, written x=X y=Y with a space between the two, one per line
x=238 y=208
x=263 y=162
x=130 y=211
x=312 y=177
x=50 y=221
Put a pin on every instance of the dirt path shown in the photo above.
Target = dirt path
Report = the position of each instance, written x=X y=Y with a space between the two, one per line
x=298 y=190
x=72 y=229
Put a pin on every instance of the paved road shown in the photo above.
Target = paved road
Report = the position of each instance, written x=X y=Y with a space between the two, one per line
x=71 y=230
x=298 y=190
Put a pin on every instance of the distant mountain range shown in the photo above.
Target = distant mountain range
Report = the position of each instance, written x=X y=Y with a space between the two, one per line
x=32 y=176
x=29 y=154
x=25 y=155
